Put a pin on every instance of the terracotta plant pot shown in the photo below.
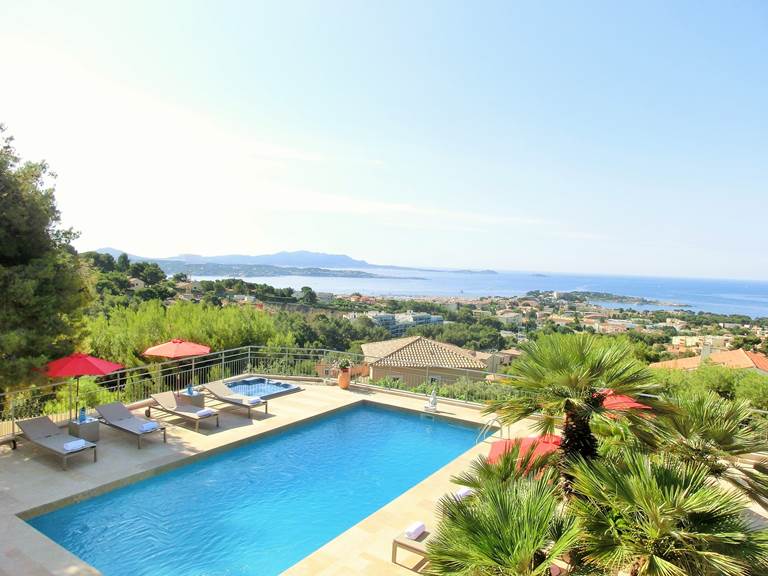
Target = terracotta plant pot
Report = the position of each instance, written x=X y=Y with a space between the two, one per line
x=344 y=378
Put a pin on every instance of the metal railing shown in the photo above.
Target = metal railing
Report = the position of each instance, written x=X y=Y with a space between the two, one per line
x=62 y=400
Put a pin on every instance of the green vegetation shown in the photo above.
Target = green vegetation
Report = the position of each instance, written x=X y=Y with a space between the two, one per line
x=463 y=388
x=728 y=383
x=514 y=530
x=653 y=505
x=657 y=516
x=481 y=335
x=125 y=332
x=565 y=376
x=702 y=429
x=41 y=285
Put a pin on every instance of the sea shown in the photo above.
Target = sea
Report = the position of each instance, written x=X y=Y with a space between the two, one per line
x=745 y=297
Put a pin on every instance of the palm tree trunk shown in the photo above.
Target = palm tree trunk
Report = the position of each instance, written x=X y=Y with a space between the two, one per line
x=578 y=439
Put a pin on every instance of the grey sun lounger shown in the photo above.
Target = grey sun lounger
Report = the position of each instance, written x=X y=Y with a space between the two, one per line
x=224 y=393
x=116 y=415
x=168 y=402
x=42 y=432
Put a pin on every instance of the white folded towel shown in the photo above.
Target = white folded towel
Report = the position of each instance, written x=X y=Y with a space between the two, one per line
x=73 y=445
x=148 y=426
x=462 y=493
x=252 y=401
x=204 y=412
x=415 y=530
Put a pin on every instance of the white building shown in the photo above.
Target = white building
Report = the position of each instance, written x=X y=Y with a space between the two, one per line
x=509 y=318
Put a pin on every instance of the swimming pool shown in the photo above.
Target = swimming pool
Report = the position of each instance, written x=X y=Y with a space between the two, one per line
x=261 y=507
x=265 y=388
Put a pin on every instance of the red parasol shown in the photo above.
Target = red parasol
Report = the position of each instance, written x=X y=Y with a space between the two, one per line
x=615 y=401
x=541 y=446
x=76 y=365
x=177 y=348
x=80 y=365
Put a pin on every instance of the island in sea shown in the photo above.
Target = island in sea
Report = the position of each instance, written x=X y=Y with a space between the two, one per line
x=581 y=295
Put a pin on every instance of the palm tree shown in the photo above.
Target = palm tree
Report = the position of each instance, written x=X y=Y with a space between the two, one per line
x=515 y=530
x=512 y=466
x=718 y=433
x=568 y=375
x=658 y=516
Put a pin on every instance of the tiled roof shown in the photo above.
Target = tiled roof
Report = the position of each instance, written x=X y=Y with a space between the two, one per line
x=759 y=360
x=690 y=363
x=730 y=358
x=419 y=352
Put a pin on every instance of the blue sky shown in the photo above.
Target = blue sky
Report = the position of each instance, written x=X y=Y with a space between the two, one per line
x=595 y=137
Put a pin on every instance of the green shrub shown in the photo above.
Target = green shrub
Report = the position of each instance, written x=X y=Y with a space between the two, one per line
x=729 y=383
x=462 y=389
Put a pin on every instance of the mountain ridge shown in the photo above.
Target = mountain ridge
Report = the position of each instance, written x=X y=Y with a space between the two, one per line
x=298 y=258
x=293 y=259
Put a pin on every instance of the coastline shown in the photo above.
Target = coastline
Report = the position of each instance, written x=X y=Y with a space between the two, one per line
x=726 y=297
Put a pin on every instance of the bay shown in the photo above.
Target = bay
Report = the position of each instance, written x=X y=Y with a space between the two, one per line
x=746 y=297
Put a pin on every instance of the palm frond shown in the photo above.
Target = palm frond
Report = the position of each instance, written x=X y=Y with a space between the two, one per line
x=560 y=375
x=662 y=516
x=704 y=428
x=503 y=530
x=513 y=465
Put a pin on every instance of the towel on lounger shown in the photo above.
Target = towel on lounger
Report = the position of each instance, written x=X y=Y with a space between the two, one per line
x=462 y=493
x=148 y=426
x=73 y=445
x=252 y=401
x=204 y=412
x=415 y=530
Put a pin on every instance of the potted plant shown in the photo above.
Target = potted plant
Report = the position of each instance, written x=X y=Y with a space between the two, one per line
x=344 y=374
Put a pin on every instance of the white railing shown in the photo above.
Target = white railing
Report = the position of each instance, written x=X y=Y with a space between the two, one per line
x=61 y=400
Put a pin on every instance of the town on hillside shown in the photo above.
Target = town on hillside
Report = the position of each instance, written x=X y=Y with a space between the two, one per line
x=495 y=326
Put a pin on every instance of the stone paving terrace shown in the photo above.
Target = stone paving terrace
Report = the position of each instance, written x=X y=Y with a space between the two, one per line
x=32 y=482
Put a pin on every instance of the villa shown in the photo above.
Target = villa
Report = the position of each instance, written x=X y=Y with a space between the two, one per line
x=415 y=359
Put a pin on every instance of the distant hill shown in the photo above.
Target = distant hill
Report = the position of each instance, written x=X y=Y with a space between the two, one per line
x=297 y=259
x=300 y=258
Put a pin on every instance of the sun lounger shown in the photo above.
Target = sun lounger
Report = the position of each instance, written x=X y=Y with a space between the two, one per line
x=169 y=402
x=119 y=417
x=43 y=433
x=417 y=546
x=224 y=393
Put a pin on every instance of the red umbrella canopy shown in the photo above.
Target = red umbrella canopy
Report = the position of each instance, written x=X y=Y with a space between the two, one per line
x=540 y=445
x=615 y=401
x=80 y=365
x=177 y=348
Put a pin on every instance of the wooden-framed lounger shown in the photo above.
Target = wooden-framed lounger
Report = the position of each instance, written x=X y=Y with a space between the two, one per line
x=418 y=546
x=223 y=393
x=42 y=432
x=168 y=402
x=116 y=415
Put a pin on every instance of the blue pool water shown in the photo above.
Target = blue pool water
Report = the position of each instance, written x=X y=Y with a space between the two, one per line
x=262 y=507
x=261 y=387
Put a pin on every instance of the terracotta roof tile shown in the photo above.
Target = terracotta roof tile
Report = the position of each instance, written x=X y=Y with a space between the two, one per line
x=730 y=358
x=759 y=360
x=690 y=363
x=419 y=352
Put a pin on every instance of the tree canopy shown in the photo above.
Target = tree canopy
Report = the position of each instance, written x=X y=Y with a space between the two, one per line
x=42 y=288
